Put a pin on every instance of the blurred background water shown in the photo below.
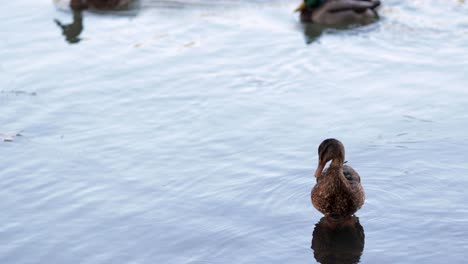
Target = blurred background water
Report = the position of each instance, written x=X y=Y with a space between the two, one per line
x=187 y=132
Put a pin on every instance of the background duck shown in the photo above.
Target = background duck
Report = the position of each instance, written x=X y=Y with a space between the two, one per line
x=339 y=12
x=98 y=4
x=338 y=192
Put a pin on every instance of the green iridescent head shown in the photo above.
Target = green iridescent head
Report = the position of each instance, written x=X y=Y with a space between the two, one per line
x=313 y=3
x=309 y=4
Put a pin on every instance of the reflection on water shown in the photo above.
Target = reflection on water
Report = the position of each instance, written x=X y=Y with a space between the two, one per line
x=73 y=30
x=338 y=242
x=312 y=32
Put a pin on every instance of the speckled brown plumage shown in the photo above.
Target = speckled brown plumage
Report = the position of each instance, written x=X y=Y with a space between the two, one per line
x=338 y=192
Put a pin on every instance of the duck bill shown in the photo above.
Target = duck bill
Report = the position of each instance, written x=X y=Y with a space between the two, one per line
x=319 y=169
x=301 y=7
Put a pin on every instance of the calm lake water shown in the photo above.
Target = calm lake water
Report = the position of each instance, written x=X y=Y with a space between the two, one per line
x=187 y=132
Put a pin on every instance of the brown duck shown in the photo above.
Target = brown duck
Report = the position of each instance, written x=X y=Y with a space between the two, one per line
x=338 y=192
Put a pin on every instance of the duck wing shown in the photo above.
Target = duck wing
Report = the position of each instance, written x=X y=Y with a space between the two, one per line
x=347 y=5
x=352 y=177
x=354 y=181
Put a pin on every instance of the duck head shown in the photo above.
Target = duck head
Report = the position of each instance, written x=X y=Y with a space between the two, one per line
x=309 y=4
x=330 y=149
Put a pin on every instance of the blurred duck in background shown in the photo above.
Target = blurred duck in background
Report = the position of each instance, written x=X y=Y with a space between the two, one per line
x=98 y=4
x=337 y=13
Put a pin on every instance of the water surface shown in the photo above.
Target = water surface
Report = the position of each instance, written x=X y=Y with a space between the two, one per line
x=187 y=132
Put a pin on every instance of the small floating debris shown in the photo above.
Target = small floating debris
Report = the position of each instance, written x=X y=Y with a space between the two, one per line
x=190 y=44
x=9 y=136
x=18 y=92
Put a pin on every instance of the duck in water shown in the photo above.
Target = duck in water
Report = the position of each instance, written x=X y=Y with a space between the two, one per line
x=98 y=4
x=336 y=13
x=338 y=193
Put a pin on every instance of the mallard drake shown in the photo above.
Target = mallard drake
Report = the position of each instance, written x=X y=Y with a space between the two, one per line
x=338 y=192
x=339 y=12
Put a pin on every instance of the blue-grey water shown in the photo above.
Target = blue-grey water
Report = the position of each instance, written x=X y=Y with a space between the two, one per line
x=187 y=132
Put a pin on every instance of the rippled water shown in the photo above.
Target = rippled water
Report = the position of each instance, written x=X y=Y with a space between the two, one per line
x=187 y=132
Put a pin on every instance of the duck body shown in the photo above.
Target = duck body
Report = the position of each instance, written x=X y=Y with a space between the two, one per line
x=339 y=12
x=338 y=192
x=98 y=4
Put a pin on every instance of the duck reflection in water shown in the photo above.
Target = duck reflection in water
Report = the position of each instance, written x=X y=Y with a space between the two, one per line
x=340 y=242
x=98 y=4
x=73 y=30
x=312 y=32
